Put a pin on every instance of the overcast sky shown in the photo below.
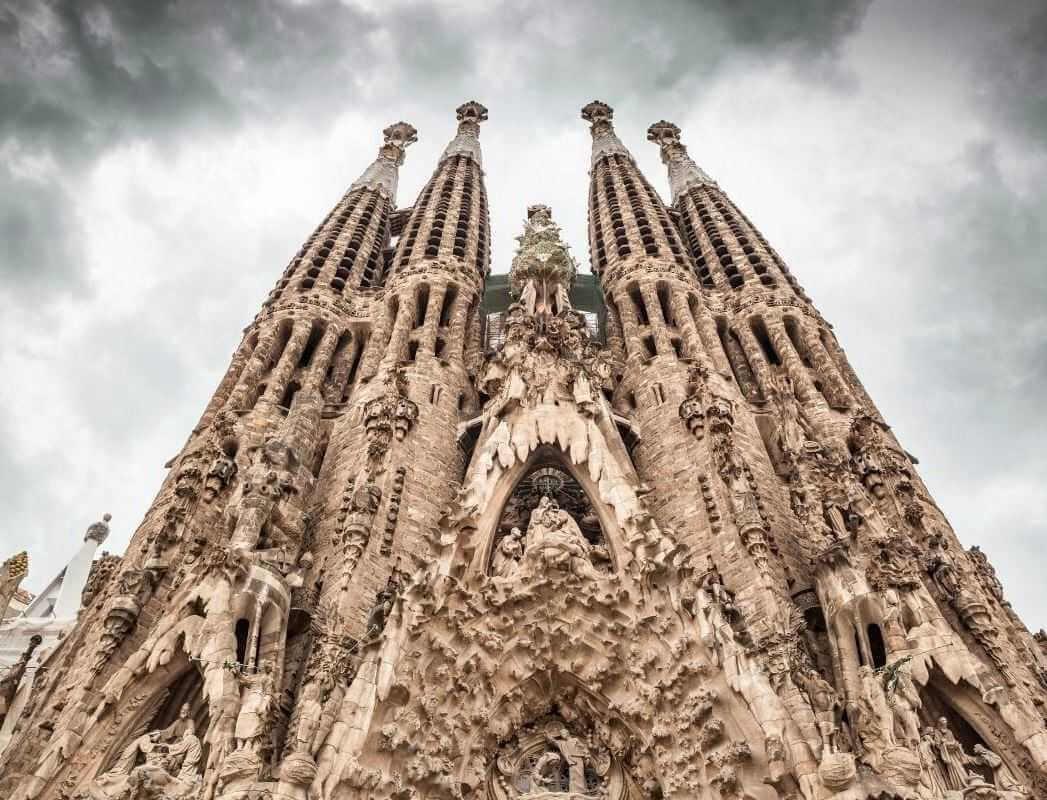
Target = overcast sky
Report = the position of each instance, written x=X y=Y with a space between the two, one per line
x=160 y=162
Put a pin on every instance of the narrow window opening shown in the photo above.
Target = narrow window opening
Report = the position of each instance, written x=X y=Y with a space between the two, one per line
x=422 y=300
x=242 y=630
x=289 y=394
x=663 y=302
x=315 y=335
x=858 y=649
x=412 y=351
x=445 y=310
x=659 y=394
x=760 y=332
x=434 y=393
x=877 y=646
x=649 y=345
x=439 y=347
x=641 y=309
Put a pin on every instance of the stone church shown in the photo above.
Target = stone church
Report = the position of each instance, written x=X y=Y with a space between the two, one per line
x=633 y=534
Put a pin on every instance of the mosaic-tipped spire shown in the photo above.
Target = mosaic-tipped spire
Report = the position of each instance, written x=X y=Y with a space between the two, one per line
x=467 y=141
x=385 y=170
x=605 y=141
x=683 y=171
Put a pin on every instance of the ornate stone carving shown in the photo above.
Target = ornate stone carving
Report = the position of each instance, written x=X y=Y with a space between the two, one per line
x=11 y=573
x=389 y=416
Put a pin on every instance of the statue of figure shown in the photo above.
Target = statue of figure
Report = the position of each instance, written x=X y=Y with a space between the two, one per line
x=546 y=774
x=310 y=712
x=932 y=778
x=507 y=554
x=875 y=722
x=171 y=768
x=1001 y=775
x=555 y=541
x=792 y=427
x=905 y=701
x=950 y=751
x=176 y=730
x=382 y=608
x=528 y=296
x=826 y=705
x=256 y=702
x=219 y=474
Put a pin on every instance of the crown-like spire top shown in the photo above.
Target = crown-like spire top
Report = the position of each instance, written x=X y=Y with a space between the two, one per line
x=467 y=141
x=384 y=172
x=605 y=141
x=543 y=269
x=683 y=172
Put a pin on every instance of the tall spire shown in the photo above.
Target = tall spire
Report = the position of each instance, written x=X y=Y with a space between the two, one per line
x=467 y=141
x=543 y=269
x=384 y=172
x=683 y=172
x=605 y=141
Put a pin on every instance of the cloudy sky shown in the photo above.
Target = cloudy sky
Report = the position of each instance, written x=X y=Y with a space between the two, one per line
x=161 y=161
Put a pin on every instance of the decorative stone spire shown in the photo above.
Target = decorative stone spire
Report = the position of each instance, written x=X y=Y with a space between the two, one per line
x=467 y=141
x=683 y=172
x=98 y=532
x=605 y=141
x=543 y=270
x=384 y=172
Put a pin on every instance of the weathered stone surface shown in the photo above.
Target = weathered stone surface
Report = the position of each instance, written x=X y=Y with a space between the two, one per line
x=399 y=560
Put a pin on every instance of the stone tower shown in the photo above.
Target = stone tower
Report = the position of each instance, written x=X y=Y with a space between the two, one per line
x=662 y=549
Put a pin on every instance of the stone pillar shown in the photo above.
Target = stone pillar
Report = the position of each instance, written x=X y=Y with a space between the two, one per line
x=801 y=380
x=427 y=340
x=630 y=327
x=458 y=325
x=288 y=363
x=397 y=348
x=823 y=363
x=656 y=319
x=754 y=354
x=254 y=370
x=685 y=322
x=322 y=359
x=344 y=367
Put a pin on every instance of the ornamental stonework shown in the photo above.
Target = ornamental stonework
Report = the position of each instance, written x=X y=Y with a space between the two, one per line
x=651 y=541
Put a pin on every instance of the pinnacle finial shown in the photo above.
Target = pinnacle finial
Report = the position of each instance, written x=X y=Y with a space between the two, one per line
x=98 y=531
x=597 y=112
x=664 y=133
x=683 y=172
x=471 y=112
x=402 y=134
x=467 y=140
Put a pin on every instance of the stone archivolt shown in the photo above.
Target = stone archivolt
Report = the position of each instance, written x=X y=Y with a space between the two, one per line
x=741 y=591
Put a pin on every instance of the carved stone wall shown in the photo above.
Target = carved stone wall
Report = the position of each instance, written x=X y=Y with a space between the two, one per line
x=691 y=563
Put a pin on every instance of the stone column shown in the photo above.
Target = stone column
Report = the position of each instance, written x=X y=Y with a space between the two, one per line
x=253 y=372
x=288 y=363
x=685 y=322
x=322 y=359
x=630 y=326
x=840 y=394
x=655 y=318
x=801 y=380
x=397 y=349
x=754 y=355
x=427 y=340
x=344 y=367
x=458 y=325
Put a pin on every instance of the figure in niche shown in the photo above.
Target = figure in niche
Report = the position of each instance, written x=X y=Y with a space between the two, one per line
x=826 y=704
x=257 y=701
x=507 y=554
x=163 y=763
x=953 y=758
x=562 y=529
x=1001 y=776
x=932 y=778
x=555 y=542
x=875 y=721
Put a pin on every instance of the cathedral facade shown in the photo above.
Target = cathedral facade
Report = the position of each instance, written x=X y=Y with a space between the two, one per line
x=633 y=535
